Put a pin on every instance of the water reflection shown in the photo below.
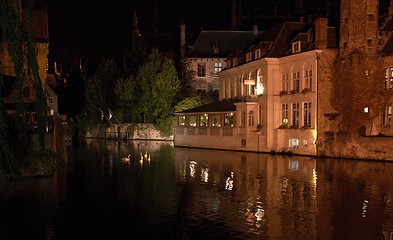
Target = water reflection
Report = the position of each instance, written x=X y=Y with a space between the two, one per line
x=151 y=190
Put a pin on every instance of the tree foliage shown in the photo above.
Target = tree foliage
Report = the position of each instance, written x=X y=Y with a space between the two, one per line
x=158 y=86
x=99 y=92
x=126 y=100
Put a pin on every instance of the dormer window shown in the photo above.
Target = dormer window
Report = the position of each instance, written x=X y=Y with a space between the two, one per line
x=295 y=47
x=258 y=54
x=249 y=56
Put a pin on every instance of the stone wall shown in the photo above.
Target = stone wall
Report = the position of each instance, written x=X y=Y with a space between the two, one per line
x=134 y=131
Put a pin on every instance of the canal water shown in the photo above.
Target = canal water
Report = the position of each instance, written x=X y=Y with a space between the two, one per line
x=165 y=192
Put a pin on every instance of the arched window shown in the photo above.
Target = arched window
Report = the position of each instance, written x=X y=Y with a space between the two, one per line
x=307 y=76
x=26 y=92
x=243 y=119
x=251 y=118
x=260 y=87
x=295 y=79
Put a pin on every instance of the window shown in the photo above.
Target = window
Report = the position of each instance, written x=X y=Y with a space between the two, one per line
x=308 y=79
x=182 y=120
x=260 y=115
x=243 y=119
x=295 y=47
x=192 y=121
x=391 y=78
x=296 y=81
x=50 y=100
x=294 y=143
x=251 y=118
x=284 y=114
x=387 y=116
x=307 y=114
x=284 y=82
x=215 y=120
x=228 y=119
x=201 y=70
x=386 y=74
x=203 y=120
x=295 y=115
x=217 y=68
x=258 y=53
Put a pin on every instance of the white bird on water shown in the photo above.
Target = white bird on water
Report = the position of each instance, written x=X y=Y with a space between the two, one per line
x=126 y=159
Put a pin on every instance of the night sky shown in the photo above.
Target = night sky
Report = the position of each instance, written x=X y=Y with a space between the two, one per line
x=86 y=27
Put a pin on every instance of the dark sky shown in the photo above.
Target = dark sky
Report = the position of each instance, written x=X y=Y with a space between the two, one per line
x=84 y=27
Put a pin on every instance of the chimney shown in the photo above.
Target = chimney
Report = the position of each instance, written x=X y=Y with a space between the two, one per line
x=255 y=30
x=182 y=39
x=321 y=33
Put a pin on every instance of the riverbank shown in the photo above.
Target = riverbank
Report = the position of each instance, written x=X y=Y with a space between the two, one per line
x=126 y=131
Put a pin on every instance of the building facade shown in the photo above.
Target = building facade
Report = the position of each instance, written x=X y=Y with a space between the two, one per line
x=273 y=87
x=296 y=90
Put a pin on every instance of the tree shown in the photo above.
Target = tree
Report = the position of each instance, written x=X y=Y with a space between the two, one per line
x=99 y=93
x=158 y=87
x=125 y=91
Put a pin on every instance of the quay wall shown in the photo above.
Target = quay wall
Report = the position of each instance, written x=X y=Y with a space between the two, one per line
x=131 y=131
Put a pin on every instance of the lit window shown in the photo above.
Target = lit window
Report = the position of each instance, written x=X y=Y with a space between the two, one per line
x=217 y=68
x=192 y=121
x=203 y=120
x=391 y=78
x=201 y=70
x=366 y=110
x=284 y=113
x=215 y=120
x=294 y=143
x=229 y=119
x=182 y=120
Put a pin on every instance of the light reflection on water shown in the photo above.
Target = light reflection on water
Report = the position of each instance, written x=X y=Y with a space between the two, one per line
x=162 y=192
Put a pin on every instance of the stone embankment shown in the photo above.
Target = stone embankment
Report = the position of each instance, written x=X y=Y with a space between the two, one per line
x=124 y=131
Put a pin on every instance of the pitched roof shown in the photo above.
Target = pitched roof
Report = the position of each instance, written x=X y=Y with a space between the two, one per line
x=225 y=41
x=221 y=106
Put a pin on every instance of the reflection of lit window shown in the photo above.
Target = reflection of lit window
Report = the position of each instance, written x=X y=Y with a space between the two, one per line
x=182 y=120
x=293 y=165
x=205 y=175
x=229 y=182
x=192 y=168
